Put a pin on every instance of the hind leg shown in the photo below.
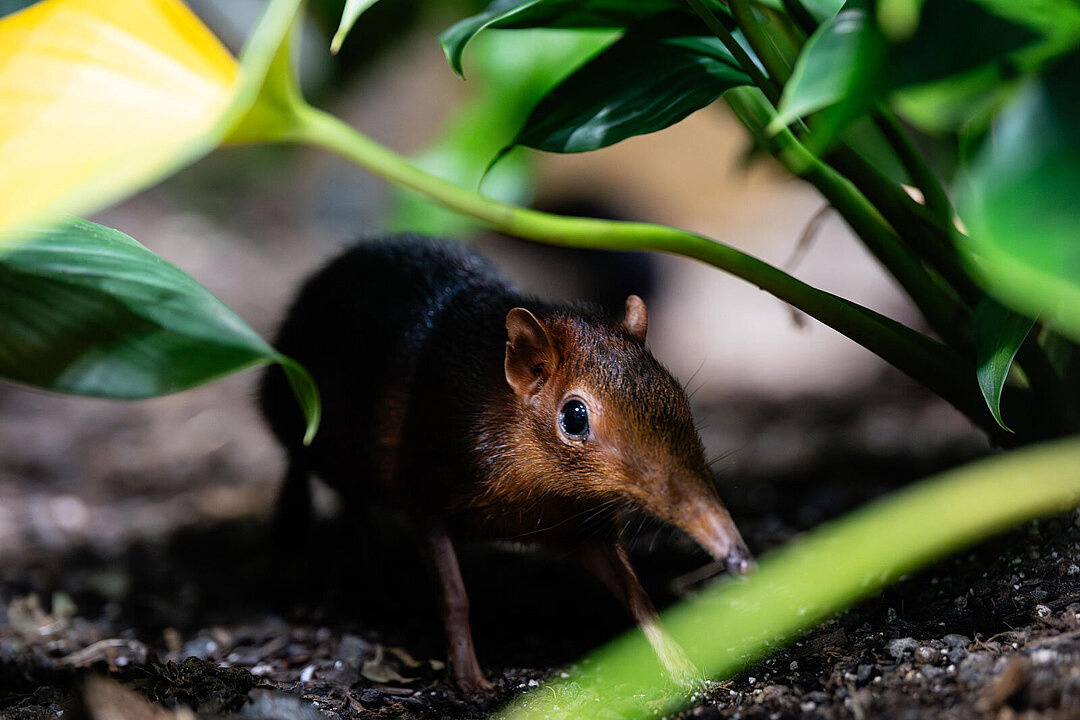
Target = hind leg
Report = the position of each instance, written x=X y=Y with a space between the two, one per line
x=609 y=564
x=455 y=614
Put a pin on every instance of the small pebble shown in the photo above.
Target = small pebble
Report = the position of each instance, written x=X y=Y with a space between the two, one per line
x=307 y=674
x=1042 y=611
x=371 y=698
x=955 y=640
x=926 y=655
x=955 y=655
x=930 y=672
x=900 y=647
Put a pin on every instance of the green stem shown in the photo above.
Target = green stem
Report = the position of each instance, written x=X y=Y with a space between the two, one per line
x=741 y=56
x=761 y=42
x=942 y=311
x=734 y=623
x=923 y=233
x=802 y=17
x=926 y=360
x=925 y=179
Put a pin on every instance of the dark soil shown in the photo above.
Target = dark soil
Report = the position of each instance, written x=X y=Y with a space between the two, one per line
x=207 y=615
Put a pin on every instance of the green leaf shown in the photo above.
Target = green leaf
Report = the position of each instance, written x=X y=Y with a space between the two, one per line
x=85 y=309
x=651 y=78
x=353 y=10
x=823 y=10
x=999 y=333
x=825 y=70
x=1020 y=201
x=848 y=65
x=1056 y=19
x=513 y=71
x=737 y=622
x=598 y=14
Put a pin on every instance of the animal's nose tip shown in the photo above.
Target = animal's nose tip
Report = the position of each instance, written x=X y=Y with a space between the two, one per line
x=739 y=561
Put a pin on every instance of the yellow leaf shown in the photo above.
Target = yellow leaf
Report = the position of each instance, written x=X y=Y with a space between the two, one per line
x=100 y=98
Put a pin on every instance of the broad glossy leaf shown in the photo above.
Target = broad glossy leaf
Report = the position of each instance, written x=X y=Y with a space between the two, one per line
x=75 y=80
x=824 y=72
x=353 y=10
x=601 y=14
x=823 y=10
x=99 y=99
x=651 y=78
x=999 y=333
x=513 y=71
x=85 y=309
x=849 y=66
x=1020 y=200
x=1058 y=19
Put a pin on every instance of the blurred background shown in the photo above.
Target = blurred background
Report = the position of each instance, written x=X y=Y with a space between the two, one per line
x=777 y=394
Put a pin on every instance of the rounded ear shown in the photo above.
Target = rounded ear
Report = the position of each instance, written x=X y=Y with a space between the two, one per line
x=530 y=353
x=636 y=320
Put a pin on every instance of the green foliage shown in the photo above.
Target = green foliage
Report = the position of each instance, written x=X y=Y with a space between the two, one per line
x=85 y=309
x=943 y=63
x=351 y=13
x=660 y=71
x=519 y=14
x=999 y=333
x=850 y=63
x=511 y=73
x=1021 y=199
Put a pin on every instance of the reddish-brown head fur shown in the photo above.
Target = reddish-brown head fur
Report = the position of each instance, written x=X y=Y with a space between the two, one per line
x=640 y=446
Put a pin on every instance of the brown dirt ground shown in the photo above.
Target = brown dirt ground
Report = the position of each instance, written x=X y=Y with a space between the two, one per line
x=158 y=573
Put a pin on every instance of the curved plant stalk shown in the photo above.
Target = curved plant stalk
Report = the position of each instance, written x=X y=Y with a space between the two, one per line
x=737 y=622
x=926 y=360
x=751 y=68
x=851 y=197
x=767 y=85
x=945 y=313
x=923 y=232
x=925 y=179
x=802 y=17
x=760 y=41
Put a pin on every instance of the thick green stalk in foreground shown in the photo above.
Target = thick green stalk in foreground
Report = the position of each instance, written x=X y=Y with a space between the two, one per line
x=926 y=360
x=736 y=622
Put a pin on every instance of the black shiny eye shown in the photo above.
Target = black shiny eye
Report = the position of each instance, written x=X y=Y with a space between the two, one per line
x=574 y=419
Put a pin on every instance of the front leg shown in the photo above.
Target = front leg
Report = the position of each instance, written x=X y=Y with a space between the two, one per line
x=610 y=565
x=455 y=614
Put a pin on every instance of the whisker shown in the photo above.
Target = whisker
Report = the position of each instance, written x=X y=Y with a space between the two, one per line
x=592 y=512
x=722 y=456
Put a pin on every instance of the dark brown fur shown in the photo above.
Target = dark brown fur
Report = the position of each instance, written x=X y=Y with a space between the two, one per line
x=442 y=389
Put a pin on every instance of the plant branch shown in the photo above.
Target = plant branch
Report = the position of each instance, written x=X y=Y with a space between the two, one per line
x=944 y=313
x=925 y=179
x=761 y=42
x=923 y=233
x=926 y=360
x=767 y=85
x=802 y=17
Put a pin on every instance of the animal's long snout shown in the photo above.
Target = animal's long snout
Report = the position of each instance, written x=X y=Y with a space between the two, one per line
x=711 y=525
